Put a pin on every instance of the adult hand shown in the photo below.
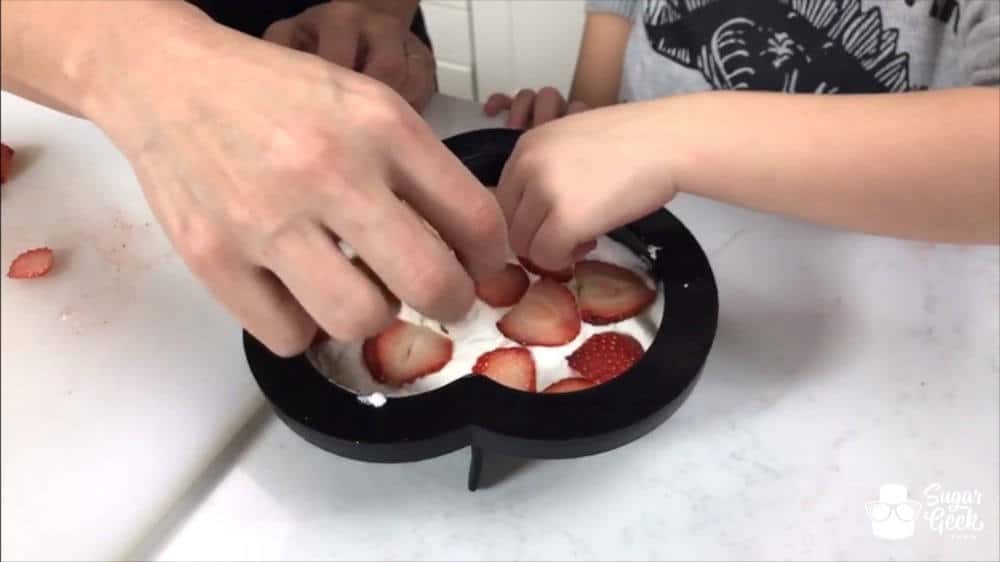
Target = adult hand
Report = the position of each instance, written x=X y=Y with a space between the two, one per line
x=366 y=39
x=258 y=159
x=528 y=109
x=572 y=180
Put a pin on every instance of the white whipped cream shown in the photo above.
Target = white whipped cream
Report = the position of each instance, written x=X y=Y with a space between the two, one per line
x=477 y=334
x=375 y=399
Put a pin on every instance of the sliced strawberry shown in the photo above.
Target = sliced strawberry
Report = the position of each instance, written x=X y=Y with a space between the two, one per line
x=505 y=288
x=609 y=293
x=509 y=366
x=31 y=264
x=605 y=356
x=562 y=275
x=571 y=384
x=6 y=155
x=546 y=315
x=404 y=352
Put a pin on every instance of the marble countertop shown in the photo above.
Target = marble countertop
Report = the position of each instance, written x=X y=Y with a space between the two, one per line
x=843 y=362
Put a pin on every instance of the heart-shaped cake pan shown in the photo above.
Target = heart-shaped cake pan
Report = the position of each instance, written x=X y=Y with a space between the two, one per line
x=476 y=412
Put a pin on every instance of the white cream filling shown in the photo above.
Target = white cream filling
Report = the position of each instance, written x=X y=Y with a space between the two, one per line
x=477 y=334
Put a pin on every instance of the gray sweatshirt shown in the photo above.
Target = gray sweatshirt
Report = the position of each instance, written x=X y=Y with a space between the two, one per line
x=807 y=46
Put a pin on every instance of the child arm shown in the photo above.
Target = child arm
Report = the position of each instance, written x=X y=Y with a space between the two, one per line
x=599 y=63
x=916 y=165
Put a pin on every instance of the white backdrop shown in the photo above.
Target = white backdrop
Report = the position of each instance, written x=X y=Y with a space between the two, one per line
x=486 y=46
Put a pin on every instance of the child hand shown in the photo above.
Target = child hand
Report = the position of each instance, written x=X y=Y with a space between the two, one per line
x=570 y=181
x=529 y=109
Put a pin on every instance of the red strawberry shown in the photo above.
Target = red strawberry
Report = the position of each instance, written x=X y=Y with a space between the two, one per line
x=6 y=155
x=571 y=384
x=31 y=264
x=609 y=293
x=605 y=356
x=509 y=366
x=505 y=288
x=562 y=275
x=546 y=315
x=404 y=352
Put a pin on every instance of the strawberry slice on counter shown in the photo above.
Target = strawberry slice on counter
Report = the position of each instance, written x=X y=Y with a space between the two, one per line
x=608 y=293
x=570 y=384
x=505 y=288
x=546 y=315
x=562 y=275
x=6 y=155
x=510 y=366
x=31 y=264
x=404 y=352
x=605 y=356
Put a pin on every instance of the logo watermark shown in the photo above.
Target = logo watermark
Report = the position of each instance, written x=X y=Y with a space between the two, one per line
x=948 y=512
x=893 y=514
x=953 y=512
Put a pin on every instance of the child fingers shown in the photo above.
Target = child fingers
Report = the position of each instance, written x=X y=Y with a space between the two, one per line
x=496 y=103
x=531 y=212
x=554 y=243
x=520 y=111
x=549 y=105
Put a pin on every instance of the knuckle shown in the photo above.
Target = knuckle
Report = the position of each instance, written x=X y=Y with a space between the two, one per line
x=298 y=147
x=404 y=125
x=383 y=109
x=242 y=215
x=202 y=244
x=266 y=219
x=349 y=201
x=486 y=219
x=281 y=237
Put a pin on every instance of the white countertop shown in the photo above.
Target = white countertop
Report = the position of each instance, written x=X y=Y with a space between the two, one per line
x=842 y=362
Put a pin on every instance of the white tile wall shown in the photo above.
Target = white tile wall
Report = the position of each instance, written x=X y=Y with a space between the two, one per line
x=455 y=80
x=525 y=43
x=448 y=25
x=486 y=46
x=451 y=33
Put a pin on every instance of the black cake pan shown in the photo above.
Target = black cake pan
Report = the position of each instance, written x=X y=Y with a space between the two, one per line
x=476 y=412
